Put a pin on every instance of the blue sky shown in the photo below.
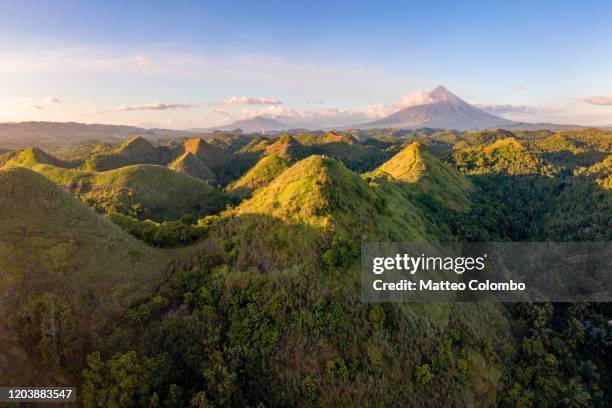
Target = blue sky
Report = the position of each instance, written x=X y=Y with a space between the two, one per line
x=196 y=64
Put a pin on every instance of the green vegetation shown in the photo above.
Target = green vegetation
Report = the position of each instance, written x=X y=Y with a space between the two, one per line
x=229 y=142
x=428 y=179
x=66 y=272
x=344 y=147
x=506 y=156
x=189 y=164
x=286 y=147
x=134 y=151
x=227 y=165
x=259 y=175
x=142 y=191
x=263 y=309
x=167 y=234
x=257 y=144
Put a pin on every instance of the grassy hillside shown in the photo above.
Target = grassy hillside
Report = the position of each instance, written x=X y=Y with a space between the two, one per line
x=229 y=143
x=286 y=147
x=307 y=206
x=33 y=155
x=226 y=163
x=343 y=147
x=261 y=174
x=257 y=145
x=316 y=191
x=314 y=138
x=65 y=272
x=143 y=191
x=189 y=164
x=134 y=151
x=427 y=178
x=210 y=155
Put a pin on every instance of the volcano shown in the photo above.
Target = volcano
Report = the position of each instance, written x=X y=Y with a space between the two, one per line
x=445 y=111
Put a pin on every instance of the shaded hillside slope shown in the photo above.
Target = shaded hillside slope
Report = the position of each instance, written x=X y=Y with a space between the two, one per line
x=227 y=165
x=257 y=144
x=189 y=164
x=65 y=272
x=209 y=154
x=260 y=175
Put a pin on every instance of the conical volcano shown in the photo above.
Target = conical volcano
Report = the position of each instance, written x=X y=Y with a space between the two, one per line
x=444 y=111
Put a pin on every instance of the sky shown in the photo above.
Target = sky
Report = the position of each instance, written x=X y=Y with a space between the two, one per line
x=194 y=64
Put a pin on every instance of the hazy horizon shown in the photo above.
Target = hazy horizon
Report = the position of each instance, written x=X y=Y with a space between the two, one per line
x=191 y=65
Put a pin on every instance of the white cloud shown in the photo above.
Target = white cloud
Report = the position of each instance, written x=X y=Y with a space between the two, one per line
x=155 y=106
x=413 y=99
x=598 y=100
x=519 y=87
x=312 y=101
x=245 y=100
x=377 y=110
x=52 y=99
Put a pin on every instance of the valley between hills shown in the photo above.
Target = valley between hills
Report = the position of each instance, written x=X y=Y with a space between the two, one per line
x=224 y=270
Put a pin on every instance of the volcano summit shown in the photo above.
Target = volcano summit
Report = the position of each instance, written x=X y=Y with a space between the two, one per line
x=446 y=110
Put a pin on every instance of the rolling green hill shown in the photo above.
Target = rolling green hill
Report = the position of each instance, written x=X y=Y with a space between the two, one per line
x=227 y=165
x=343 y=147
x=286 y=147
x=34 y=155
x=229 y=142
x=212 y=156
x=134 y=151
x=189 y=164
x=65 y=273
x=426 y=177
x=315 y=138
x=143 y=191
x=261 y=174
x=306 y=206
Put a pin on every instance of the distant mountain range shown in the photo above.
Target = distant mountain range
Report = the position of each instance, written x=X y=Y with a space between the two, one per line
x=258 y=124
x=52 y=134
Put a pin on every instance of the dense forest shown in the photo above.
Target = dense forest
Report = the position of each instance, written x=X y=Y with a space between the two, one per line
x=248 y=256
